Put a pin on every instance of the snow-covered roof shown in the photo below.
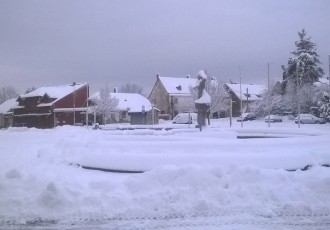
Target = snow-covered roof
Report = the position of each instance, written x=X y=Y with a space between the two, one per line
x=131 y=102
x=54 y=91
x=178 y=86
x=7 y=105
x=254 y=91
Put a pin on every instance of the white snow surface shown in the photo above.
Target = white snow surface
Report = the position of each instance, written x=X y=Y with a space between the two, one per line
x=186 y=171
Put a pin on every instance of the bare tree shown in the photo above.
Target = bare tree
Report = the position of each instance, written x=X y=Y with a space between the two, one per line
x=6 y=93
x=105 y=103
x=219 y=96
x=131 y=88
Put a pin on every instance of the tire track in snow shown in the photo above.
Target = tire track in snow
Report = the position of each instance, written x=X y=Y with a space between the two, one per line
x=289 y=219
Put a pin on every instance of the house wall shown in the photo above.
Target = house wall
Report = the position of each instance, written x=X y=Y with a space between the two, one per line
x=237 y=106
x=79 y=98
x=183 y=104
x=160 y=98
x=2 y=121
x=73 y=100
x=148 y=118
x=8 y=120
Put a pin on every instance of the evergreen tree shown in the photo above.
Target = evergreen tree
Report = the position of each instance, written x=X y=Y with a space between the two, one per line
x=305 y=58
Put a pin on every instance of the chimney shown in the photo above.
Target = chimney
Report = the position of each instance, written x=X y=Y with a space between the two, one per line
x=115 y=90
x=188 y=76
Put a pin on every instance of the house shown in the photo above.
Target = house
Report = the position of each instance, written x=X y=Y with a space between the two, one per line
x=132 y=108
x=250 y=93
x=172 y=95
x=6 y=112
x=47 y=107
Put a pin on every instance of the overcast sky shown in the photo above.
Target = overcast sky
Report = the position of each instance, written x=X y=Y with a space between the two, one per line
x=56 y=42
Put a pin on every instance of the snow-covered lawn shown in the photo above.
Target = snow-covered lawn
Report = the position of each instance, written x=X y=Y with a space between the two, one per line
x=209 y=177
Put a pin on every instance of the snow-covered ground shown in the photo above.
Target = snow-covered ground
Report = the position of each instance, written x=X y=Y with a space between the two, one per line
x=191 y=180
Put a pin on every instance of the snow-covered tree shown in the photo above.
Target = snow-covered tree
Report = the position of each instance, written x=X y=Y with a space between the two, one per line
x=303 y=68
x=219 y=96
x=299 y=76
x=271 y=101
x=322 y=99
x=6 y=93
x=105 y=103
x=131 y=88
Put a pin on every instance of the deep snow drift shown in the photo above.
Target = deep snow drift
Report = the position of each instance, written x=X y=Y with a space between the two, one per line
x=187 y=171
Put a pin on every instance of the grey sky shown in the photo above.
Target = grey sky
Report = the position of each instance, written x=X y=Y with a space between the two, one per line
x=55 y=42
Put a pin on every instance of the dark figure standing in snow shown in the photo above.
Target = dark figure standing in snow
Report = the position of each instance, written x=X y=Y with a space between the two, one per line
x=202 y=103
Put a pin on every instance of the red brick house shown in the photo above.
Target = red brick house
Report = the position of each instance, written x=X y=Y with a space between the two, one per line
x=47 y=107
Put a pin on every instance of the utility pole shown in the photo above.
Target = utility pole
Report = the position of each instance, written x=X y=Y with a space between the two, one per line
x=240 y=91
x=230 y=112
x=87 y=96
x=74 y=103
x=268 y=96
x=298 y=91
x=329 y=68
x=247 y=99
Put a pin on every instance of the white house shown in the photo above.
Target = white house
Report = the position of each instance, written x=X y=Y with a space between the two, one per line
x=132 y=107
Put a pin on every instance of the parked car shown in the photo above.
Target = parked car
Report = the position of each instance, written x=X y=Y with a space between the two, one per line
x=309 y=119
x=247 y=117
x=273 y=118
x=185 y=118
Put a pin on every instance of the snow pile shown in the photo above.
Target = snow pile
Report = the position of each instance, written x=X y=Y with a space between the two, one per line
x=186 y=171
